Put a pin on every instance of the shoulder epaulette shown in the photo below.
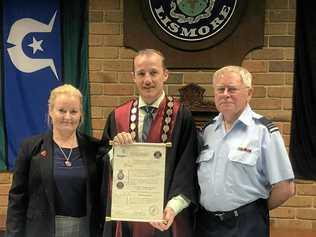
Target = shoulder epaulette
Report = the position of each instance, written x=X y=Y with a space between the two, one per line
x=269 y=124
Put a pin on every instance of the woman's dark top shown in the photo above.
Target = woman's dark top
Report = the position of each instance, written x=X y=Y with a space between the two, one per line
x=70 y=195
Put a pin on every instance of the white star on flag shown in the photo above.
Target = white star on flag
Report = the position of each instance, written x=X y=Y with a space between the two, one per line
x=36 y=45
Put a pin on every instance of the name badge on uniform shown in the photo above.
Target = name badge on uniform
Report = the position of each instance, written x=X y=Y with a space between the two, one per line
x=244 y=149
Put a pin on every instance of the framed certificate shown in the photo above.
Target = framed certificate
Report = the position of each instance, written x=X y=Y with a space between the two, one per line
x=138 y=182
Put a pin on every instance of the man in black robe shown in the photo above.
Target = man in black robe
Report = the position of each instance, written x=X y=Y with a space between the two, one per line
x=171 y=122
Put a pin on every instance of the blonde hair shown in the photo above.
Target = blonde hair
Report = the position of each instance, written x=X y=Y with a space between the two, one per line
x=244 y=74
x=68 y=90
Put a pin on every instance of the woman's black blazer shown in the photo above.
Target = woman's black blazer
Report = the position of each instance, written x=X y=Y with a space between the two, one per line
x=31 y=209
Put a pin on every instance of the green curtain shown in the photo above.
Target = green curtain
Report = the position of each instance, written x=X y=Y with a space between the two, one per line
x=2 y=127
x=75 y=32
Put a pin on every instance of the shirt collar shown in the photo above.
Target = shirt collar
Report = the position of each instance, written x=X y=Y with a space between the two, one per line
x=245 y=117
x=156 y=102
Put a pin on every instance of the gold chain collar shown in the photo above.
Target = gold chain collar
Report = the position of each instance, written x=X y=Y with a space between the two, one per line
x=166 y=119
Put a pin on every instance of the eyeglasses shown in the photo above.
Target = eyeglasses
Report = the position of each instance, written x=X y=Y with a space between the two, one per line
x=230 y=89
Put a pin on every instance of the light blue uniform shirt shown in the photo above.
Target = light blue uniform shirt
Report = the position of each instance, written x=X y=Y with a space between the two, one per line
x=239 y=166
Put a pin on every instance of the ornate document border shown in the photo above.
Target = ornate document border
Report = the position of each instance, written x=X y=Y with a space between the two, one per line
x=138 y=182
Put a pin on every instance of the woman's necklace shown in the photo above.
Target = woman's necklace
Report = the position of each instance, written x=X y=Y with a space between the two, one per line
x=67 y=161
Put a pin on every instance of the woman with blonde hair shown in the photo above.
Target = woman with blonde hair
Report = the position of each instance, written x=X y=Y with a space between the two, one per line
x=56 y=184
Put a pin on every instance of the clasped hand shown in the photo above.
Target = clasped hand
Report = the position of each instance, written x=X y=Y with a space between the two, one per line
x=123 y=138
x=168 y=217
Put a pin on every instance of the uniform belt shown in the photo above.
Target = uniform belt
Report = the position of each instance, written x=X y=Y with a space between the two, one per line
x=225 y=215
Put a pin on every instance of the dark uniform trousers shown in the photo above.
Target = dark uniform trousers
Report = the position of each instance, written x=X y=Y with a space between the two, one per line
x=251 y=220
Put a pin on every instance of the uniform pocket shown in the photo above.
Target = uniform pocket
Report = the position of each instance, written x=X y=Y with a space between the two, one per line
x=205 y=156
x=249 y=157
x=204 y=164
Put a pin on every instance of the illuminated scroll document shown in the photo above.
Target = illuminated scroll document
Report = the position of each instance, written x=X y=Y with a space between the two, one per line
x=138 y=182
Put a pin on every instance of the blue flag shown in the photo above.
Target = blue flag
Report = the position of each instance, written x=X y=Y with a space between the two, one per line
x=32 y=62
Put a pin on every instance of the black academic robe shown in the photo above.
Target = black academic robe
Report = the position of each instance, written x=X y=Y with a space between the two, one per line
x=31 y=208
x=180 y=172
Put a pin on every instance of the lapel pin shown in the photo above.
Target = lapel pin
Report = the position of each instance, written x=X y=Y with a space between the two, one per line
x=43 y=153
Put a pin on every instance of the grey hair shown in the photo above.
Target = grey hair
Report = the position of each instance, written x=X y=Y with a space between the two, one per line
x=244 y=74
